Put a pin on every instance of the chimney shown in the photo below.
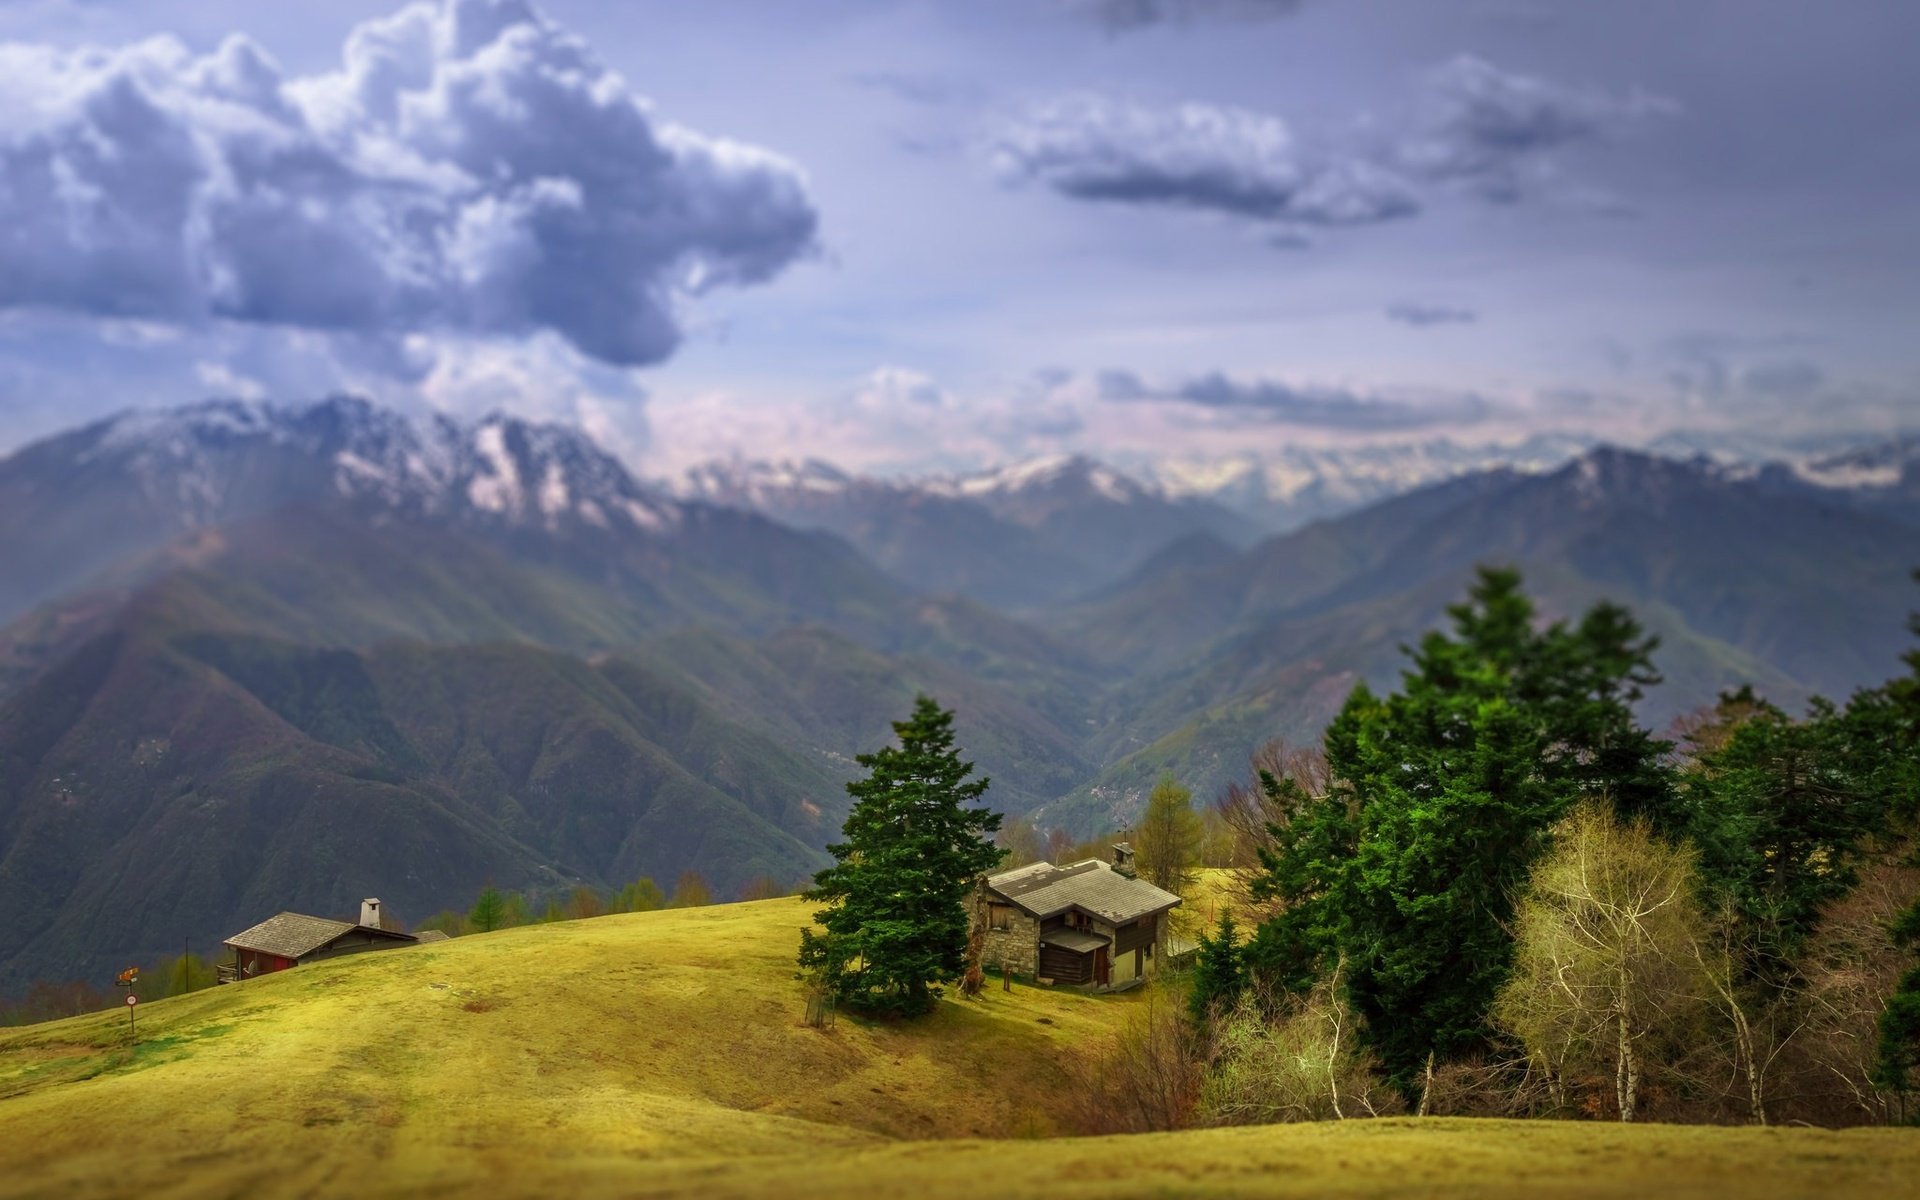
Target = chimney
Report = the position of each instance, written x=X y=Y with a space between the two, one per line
x=1123 y=859
x=370 y=913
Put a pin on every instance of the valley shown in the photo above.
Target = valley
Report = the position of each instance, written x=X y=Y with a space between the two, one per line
x=289 y=656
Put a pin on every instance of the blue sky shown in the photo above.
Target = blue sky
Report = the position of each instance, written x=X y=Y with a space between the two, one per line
x=910 y=235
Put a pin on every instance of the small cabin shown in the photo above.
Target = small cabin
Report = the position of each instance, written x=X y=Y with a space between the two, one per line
x=1089 y=923
x=289 y=939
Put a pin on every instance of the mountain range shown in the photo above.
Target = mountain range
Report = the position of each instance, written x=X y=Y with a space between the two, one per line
x=256 y=657
x=1029 y=535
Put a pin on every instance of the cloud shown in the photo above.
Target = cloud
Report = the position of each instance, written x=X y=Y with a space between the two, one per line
x=1124 y=15
x=892 y=419
x=1475 y=127
x=1708 y=366
x=1486 y=128
x=1425 y=316
x=469 y=168
x=1194 y=156
x=886 y=388
x=1276 y=401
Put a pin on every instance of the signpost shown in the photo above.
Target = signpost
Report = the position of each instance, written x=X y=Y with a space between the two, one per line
x=127 y=979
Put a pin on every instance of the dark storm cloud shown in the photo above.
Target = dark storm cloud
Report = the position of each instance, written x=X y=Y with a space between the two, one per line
x=1484 y=127
x=1278 y=402
x=469 y=167
x=1196 y=156
x=1123 y=15
x=1423 y=316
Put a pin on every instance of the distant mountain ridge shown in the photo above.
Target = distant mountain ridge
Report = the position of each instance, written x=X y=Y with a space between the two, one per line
x=1796 y=591
x=1286 y=486
x=1024 y=535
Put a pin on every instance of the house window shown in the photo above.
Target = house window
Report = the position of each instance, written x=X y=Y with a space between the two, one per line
x=1000 y=916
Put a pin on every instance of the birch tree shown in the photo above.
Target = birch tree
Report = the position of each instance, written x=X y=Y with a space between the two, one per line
x=1604 y=962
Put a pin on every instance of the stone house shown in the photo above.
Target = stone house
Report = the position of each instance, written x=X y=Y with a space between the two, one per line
x=1086 y=923
x=289 y=939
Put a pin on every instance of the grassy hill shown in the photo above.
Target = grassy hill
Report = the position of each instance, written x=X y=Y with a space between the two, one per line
x=665 y=1054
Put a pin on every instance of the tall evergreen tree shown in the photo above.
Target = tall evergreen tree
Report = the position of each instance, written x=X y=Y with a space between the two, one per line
x=897 y=916
x=1442 y=794
x=489 y=911
x=1781 y=810
x=1219 y=975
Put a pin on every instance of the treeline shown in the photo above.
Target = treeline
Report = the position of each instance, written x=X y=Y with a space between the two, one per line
x=1496 y=893
x=492 y=909
x=49 y=1001
x=496 y=909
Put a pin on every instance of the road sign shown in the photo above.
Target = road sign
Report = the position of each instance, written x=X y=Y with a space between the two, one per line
x=132 y=999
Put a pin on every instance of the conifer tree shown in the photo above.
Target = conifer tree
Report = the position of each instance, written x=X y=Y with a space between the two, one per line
x=1442 y=793
x=1219 y=975
x=489 y=911
x=897 y=917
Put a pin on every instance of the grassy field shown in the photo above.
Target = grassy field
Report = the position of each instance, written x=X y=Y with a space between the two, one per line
x=665 y=1054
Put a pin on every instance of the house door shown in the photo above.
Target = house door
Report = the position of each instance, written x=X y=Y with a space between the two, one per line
x=1102 y=969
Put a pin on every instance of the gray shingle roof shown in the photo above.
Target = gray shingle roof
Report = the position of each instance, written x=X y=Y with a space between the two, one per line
x=1091 y=886
x=290 y=935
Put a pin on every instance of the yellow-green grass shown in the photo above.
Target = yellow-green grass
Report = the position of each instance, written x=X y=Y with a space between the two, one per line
x=629 y=1037
x=666 y=1054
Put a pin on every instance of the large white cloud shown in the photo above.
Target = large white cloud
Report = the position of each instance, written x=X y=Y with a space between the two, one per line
x=470 y=167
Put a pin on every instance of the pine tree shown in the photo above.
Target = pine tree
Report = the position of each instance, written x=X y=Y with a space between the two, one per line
x=897 y=917
x=1442 y=796
x=1219 y=975
x=1781 y=810
x=489 y=911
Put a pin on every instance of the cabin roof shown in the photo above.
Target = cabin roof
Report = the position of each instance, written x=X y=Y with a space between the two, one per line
x=431 y=935
x=293 y=935
x=1077 y=940
x=1090 y=885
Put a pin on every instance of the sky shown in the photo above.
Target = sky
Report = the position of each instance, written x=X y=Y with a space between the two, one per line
x=913 y=235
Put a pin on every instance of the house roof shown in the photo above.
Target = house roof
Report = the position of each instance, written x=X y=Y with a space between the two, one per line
x=1090 y=885
x=1077 y=940
x=293 y=935
x=289 y=935
x=431 y=935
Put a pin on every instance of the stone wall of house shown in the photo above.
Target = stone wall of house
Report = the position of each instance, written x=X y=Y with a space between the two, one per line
x=1016 y=947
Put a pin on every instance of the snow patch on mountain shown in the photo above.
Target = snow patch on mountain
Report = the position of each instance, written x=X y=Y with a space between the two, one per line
x=499 y=469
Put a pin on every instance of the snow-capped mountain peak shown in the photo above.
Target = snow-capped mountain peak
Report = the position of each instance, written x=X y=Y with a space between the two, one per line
x=212 y=460
x=1058 y=475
